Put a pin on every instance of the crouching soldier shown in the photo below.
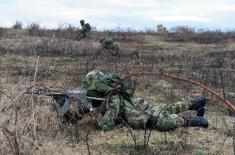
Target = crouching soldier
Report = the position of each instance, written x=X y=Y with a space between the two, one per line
x=86 y=28
x=110 y=45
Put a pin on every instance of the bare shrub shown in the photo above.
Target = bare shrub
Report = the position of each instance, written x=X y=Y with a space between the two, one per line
x=231 y=35
x=181 y=34
x=66 y=32
x=63 y=31
x=187 y=34
x=17 y=25
x=34 y=29
x=149 y=30
x=124 y=36
x=1 y=32
x=210 y=37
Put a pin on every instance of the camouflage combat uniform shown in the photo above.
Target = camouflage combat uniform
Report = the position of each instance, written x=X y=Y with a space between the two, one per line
x=86 y=28
x=109 y=44
x=137 y=113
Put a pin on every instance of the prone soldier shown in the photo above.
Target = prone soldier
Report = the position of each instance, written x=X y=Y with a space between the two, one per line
x=121 y=106
x=136 y=112
x=110 y=45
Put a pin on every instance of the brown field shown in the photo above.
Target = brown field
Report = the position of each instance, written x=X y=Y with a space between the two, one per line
x=63 y=64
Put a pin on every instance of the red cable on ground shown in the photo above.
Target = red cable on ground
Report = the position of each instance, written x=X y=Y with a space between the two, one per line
x=165 y=74
x=176 y=77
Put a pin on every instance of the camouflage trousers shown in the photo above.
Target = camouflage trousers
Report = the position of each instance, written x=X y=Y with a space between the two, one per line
x=83 y=33
x=140 y=115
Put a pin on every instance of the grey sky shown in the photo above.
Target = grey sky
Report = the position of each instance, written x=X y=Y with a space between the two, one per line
x=135 y=14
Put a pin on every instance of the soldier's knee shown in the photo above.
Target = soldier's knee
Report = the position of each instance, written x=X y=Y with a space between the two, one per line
x=168 y=123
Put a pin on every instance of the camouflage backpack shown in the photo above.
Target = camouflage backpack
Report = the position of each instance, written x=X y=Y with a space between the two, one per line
x=87 y=26
x=99 y=84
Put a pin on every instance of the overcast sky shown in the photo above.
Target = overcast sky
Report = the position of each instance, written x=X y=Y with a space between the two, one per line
x=134 y=14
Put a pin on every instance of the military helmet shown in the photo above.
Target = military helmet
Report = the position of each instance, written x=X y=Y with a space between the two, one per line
x=102 y=39
x=92 y=78
x=82 y=22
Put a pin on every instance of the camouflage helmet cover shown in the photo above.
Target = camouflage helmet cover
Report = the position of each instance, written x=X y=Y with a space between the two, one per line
x=82 y=22
x=102 y=39
x=104 y=83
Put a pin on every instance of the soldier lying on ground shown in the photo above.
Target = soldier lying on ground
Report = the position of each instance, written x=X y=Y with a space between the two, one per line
x=137 y=113
x=122 y=107
x=110 y=45
x=86 y=28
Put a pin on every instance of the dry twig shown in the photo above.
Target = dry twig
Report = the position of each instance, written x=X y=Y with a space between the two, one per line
x=176 y=77
x=33 y=106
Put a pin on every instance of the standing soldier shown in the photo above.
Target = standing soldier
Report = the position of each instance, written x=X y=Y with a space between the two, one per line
x=86 y=28
x=110 y=45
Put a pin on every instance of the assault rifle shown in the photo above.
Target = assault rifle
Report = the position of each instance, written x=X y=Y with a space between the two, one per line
x=63 y=98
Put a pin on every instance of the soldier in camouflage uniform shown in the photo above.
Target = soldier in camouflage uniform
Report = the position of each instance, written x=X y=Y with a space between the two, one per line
x=86 y=28
x=110 y=45
x=137 y=113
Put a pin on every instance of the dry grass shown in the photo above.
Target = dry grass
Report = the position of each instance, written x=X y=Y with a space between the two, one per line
x=63 y=63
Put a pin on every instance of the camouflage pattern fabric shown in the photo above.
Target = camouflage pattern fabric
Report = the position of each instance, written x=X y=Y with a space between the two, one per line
x=109 y=44
x=137 y=113
x=99 y=84
x=86 y=28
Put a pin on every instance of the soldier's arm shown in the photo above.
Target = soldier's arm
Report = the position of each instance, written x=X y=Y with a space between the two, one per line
x=107 y=121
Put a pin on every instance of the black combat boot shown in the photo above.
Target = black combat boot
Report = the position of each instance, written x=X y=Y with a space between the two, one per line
x=197 y=121
x=198 y=103
x=201 y=112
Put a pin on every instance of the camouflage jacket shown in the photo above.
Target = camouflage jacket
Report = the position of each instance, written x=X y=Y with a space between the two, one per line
x=121 y=107
x=109 y=44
